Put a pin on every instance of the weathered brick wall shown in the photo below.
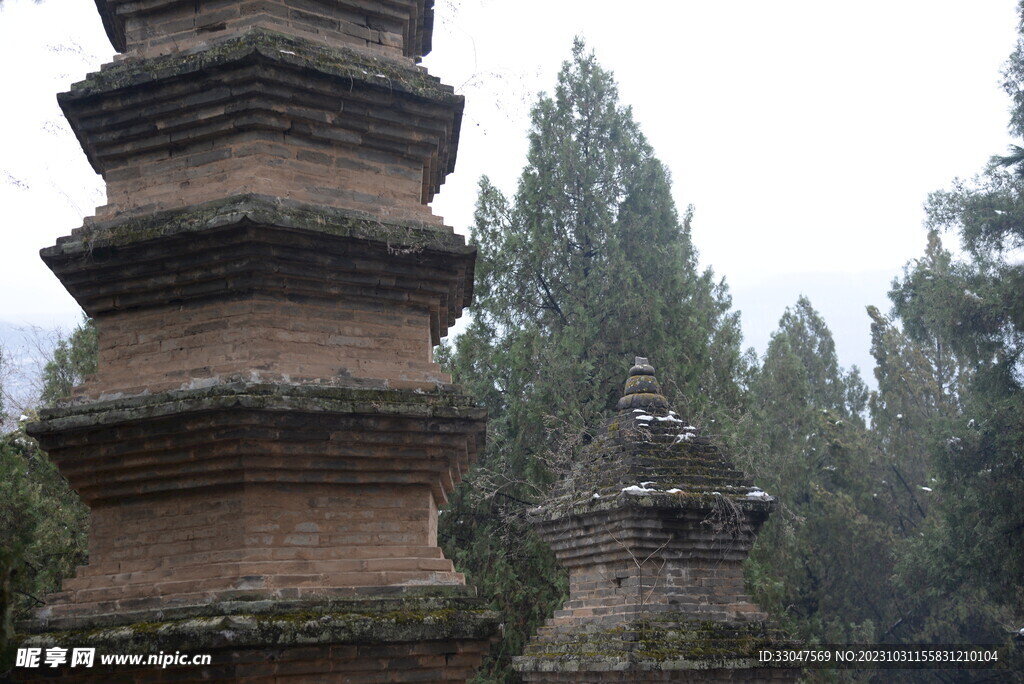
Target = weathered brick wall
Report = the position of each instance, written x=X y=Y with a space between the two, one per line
x=206 y=495
x=653 y=524
x=170 y=346
x=393 y=28
x=690 y=564
x=618 y=591
x=257 y=539
x=282 y=163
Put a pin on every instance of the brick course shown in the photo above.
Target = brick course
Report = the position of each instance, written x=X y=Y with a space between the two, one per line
x=167 y=347
x=397 y=28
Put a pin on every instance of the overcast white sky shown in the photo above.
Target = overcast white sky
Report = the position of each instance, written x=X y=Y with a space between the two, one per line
x=807 y=133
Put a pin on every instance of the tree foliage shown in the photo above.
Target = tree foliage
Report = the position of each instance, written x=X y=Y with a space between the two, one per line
x=948 y=412
x=3 y=374
x=74 y=358
x=975 y=307
x=42 y=530
x=43 y=523
x=811 y=449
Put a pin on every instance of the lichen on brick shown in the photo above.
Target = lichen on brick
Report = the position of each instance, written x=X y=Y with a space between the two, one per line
x=357 y=67
x=401 y=620
x=260 y=210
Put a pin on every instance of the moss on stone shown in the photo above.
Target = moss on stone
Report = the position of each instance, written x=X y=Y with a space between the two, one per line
x=377 y=73
x=444 y=402
x=407 y=237
x=653 y=644
x=255 y=630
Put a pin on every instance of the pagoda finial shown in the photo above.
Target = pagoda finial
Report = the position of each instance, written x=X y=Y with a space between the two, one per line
x=642 y=388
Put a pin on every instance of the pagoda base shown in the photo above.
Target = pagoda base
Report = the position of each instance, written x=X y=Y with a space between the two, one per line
x=403 y=634
x=659 y=648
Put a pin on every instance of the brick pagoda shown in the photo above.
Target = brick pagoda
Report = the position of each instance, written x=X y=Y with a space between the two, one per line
x=267 y=439
x=653 y=524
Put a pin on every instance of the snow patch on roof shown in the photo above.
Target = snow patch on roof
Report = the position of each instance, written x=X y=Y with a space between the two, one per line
x=637 y=491
x=756 y=494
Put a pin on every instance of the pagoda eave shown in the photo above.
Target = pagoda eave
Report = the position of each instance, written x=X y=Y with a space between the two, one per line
x=264 y=81
x=435 y=635
x=257 y=245
x=245 y=433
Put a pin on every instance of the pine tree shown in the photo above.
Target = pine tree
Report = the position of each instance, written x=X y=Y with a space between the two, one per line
x=977 y=308
x=810 y=448
x=3 y=374
x=587 y=266
x=924 y=394
x=920 y=379
x=959 y=372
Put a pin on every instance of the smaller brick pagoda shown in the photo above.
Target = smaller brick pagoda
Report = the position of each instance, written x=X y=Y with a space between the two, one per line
x=653 y=524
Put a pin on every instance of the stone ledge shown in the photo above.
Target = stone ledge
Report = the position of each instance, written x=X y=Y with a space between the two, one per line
x=690 y=500
x=202 y=438
x=446 y=402
x=241 y=630
x=651 y=644
x=439 y=641
x=248 y=245
x=596 y=663
x=262 y=210
x=389 y=75
x=396 y=603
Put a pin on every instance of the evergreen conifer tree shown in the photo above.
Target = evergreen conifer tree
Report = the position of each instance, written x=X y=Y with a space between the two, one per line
x=927 y=388
x=950 y=401
x=809 y=447
x=975 y=306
